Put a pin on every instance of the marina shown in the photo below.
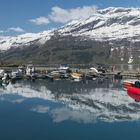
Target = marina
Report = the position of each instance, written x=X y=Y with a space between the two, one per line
x=68 y=101
x=65 y=72
x=69 y=70
x=124 y=70
x=75 y=75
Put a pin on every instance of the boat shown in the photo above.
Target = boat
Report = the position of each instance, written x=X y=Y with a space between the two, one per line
x=64 y=67
x=134 y=92
x=57 y=75
x=16 y=74
x=30 y=69
x=1 y=73
x=76 y=76
x=127 y=84
x=118 y=76
x=93 y=70
x=21 y=68
x=5 y=79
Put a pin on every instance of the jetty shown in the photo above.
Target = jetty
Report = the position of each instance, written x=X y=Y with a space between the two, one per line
x=78 y=72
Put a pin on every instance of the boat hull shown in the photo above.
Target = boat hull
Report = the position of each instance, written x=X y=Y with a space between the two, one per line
x=76 y=75
x=127 y=84
x=134 y=93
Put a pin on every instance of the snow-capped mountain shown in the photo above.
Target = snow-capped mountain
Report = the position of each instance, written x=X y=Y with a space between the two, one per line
x=111 y=23
x=24 y=39
x=119 y=27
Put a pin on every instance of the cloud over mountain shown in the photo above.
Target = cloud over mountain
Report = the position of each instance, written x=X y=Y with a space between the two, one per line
x=16 y=29
x=40 y=21
x=13 y=29
x=61 y=15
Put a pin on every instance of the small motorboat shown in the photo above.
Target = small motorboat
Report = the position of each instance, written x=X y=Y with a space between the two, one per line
x=118 y=76
x=94 y=70
x=127 y=84
x=64 y=67
x=1 y=73
x=16 y=74
x=30 y=69
x=57 y=75
x=76 y=76
x=134 y=92
x=5 y=79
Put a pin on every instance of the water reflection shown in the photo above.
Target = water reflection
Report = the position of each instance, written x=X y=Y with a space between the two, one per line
x=81 y=102
x=41 y=109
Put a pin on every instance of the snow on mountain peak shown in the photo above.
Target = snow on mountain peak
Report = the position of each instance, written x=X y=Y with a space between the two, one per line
x=106 y=24
x=110 y=23
x=24 y=39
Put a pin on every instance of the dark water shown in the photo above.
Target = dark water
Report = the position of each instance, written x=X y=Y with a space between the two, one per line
x=67 y=110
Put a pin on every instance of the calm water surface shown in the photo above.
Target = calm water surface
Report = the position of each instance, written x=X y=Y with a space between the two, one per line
x=66 y=110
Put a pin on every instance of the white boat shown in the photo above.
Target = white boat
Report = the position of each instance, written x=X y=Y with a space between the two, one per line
x=1 y=73
x=30 y=69
x=61 y=74
x=63 y=67
x=21 y=68
x=94 y=70
x=5 y=79
x=16 y=74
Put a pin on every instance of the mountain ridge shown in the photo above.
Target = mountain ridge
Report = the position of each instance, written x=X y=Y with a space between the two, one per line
x=112 y=32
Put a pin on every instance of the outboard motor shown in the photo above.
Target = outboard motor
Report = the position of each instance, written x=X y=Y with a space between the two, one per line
x=137 y=84
x=118 y=76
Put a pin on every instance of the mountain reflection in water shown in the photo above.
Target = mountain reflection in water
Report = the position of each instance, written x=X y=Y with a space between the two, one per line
x=82 y=102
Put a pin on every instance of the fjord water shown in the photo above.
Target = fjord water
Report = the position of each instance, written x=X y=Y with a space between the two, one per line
x=67 y=110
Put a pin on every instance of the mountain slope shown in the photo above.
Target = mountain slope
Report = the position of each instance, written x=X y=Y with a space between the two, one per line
x=109 y=35
x=110 y=24
x=24 y=40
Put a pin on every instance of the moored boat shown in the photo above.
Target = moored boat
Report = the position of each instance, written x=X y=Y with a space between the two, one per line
x=127 y=84
x=76 y=76
x=134 y=92
x=64 y=67
x=1 y=73
x=16 y=74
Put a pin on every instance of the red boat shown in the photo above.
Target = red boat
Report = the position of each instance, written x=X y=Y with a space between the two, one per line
x=134 y=92
x=127 y=84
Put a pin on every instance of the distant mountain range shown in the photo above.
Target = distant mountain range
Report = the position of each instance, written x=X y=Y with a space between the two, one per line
x=110 y=35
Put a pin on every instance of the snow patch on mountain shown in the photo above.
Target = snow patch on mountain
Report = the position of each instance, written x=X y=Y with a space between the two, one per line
x=25 y=39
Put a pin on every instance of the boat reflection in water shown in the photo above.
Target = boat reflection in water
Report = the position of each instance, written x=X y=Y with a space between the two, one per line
x=86 y=102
